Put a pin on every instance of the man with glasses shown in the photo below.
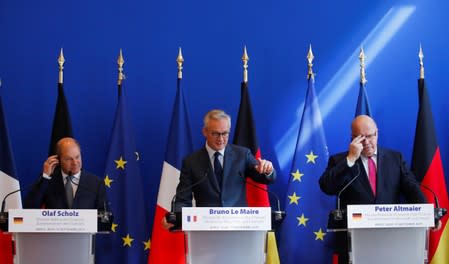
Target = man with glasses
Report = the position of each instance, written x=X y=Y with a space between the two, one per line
x=382 y=175
x=216 y=174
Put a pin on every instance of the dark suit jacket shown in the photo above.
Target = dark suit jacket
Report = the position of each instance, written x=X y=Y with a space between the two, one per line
x=91 y=193
x=197 y=176
x=394 y=180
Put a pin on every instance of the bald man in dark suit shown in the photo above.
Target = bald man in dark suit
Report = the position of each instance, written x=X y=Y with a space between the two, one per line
x=382 y=175
x=63 y=173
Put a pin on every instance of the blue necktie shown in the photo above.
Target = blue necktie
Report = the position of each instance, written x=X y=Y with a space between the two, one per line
x=218 y=169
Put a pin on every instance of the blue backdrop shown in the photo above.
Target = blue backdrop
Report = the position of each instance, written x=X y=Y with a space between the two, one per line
x=212 y=35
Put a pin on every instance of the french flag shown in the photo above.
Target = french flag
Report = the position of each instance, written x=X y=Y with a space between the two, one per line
x=192 y=218
x=169 y=247
x=8 y=183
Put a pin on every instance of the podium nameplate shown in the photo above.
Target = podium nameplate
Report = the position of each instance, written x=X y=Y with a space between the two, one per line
x=52 y=221
x=390 y=215
x=226 y=218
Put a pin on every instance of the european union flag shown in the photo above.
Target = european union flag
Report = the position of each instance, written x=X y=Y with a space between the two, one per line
x=303 y=236
x=129 y=240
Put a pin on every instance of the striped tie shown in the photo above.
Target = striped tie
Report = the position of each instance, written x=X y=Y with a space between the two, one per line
x=69 y=191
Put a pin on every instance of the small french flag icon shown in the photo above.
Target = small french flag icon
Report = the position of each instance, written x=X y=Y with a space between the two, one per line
x=191 y=218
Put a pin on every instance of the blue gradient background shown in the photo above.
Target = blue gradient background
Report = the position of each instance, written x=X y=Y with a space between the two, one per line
x=212 y=35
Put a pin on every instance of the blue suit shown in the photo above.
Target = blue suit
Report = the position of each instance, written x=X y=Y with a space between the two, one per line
x=50 y=193
x=394 y=181
x=197 y=176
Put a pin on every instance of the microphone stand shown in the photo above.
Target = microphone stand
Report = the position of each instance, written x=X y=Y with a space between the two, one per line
x=277 y=215
x=336 y=220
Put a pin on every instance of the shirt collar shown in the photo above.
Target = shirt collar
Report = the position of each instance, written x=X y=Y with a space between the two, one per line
x=211 y=151
x=76 y=177
x=374 y=156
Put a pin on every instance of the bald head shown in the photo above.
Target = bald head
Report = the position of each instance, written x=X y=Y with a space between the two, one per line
x=362 y=121
x=69 y=154
x=365 y=126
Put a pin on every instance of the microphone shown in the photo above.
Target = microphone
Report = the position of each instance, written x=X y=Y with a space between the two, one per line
x=104 y=217
x=171 y=216
x=338 y=213
x=278 y=215
x=336 y=220
x=438 y=212
x=3 y=214
x=4 y=200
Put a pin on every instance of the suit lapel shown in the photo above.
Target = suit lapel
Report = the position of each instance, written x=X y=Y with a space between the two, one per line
x=80 y=188
x=379 y=178
x=364 y=179
x=227 y=162
x=60 y=188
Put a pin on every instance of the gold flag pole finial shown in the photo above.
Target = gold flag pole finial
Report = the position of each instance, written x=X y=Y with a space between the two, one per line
x=120 y=62
x=421 y=64
x=61 y=61
x=310 y=58
x=362 y=57
x=245 y=60
x=180 y=61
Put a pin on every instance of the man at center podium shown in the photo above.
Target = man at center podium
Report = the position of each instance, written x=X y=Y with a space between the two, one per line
x=368 y=174
x=216 y=174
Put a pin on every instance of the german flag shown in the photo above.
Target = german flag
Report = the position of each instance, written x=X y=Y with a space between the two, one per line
x=356 y=216
x=18 y=220
x=428 y=169
x=245 y=135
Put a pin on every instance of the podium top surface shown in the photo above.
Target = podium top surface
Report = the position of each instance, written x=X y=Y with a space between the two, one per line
x=52 y=221
x=226 y=218
x=390 y=216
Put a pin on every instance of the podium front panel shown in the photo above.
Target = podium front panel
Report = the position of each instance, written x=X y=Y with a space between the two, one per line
x=388 y=245
x=224 y=247
x=44 y=248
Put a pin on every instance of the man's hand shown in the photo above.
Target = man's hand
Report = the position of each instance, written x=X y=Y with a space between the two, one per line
x=50 y=165
x=437 y=226
x=264 y=166
x=355 y=148
x=166 y=225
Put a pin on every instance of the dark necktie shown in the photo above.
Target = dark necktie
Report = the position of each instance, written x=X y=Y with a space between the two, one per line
x=69 y=191
x=218 y=169
x=372 y=174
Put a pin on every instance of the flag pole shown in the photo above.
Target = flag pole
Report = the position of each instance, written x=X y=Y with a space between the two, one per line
x=245 y=60
x=310 y=58
x=421 y=63
x=120 y=62
x=362 y=57
x=180 y=61
x=61 y=61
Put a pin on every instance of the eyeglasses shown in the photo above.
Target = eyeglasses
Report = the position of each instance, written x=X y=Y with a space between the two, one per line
x=367 y=137
x=218 y=134
x=370 y=136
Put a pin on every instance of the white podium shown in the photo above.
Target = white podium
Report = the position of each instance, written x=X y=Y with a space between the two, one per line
x=389 y=233
x=222 y=235
x=53 y=236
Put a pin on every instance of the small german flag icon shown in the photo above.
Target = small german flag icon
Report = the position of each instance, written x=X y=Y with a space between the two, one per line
x=18 y=220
